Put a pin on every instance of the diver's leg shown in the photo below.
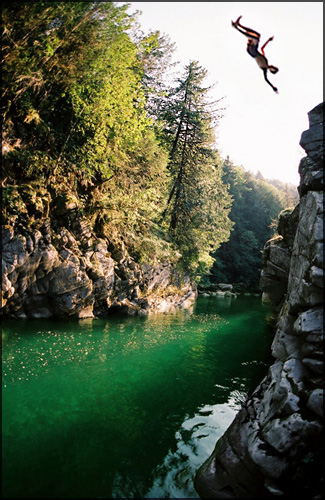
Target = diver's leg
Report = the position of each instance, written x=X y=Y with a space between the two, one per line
x=248 y=31
x=268 y=81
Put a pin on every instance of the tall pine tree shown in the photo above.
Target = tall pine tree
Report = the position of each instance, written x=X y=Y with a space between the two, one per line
x=198 y=204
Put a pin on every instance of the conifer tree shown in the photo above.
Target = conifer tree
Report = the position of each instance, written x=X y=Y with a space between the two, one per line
x=86 y=112
x=198 y=203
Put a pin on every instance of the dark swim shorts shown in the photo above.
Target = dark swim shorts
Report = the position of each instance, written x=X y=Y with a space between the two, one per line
x=252 y=48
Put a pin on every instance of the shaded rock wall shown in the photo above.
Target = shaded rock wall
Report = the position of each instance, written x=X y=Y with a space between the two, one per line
x=277 y=254
x=274 y=446
x=68 y=271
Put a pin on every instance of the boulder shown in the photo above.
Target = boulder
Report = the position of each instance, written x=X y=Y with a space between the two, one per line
x=225 y=287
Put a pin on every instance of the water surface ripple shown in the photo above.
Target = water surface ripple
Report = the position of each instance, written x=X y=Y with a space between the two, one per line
x=125 y=407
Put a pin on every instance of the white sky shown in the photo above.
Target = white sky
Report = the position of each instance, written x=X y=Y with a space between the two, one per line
x=260 y=130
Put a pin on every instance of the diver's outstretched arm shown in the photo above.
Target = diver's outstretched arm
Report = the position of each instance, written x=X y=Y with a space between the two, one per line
x=263 y=47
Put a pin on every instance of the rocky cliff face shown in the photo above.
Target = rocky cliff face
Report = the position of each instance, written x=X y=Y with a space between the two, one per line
x=274 y=445
x=61 y=268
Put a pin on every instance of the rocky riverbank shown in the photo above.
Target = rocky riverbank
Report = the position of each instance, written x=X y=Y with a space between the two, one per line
x=273 y=448
x=54 y=267
x=225 y=290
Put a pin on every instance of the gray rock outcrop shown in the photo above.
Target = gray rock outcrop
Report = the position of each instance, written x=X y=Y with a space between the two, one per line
x=274 y=446
x=69 y=271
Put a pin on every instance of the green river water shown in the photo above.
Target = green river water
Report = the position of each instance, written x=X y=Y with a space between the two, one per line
x=125 y=407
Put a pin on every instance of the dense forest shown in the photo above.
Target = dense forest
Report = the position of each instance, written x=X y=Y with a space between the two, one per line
x=90 y=113
x=254 y=211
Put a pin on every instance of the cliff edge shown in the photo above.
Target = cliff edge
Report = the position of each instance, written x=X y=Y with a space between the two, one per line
x=273 y=448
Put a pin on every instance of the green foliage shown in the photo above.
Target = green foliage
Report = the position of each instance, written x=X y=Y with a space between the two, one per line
x=71 y=86
x=74 y=103
x=198 y=205
x=90 y=122
x=256 y=206
x=26 y=202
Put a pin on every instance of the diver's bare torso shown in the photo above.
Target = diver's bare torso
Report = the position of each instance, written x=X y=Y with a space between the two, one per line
x=261 y=61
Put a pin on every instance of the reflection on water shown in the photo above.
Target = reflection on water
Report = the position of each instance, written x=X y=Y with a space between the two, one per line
x=195 y=441
x=125 y=407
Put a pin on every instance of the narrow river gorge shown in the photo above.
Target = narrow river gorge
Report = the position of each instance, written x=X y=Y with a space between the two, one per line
x=125 y=407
